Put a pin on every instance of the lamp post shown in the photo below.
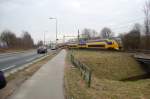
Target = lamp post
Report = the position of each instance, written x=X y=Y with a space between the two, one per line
x=44 y=38
x=56 y=27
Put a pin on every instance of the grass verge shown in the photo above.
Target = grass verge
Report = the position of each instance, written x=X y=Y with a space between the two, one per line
x=110 y=64
x=106 y=85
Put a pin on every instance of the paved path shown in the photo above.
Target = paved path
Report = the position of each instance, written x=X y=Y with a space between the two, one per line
x=46 y=83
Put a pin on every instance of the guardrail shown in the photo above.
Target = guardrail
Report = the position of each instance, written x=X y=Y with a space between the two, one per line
x=86 y=73
x=146 y=61
x=139 y=51
x=142 y=58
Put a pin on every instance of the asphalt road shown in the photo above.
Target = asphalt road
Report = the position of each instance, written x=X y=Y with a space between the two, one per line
x=9 y=61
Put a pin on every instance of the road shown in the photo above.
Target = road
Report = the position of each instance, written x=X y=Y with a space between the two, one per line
x=13 y=60
x=46 y=83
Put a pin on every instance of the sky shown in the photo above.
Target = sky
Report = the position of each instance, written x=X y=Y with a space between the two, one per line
x=33 y=16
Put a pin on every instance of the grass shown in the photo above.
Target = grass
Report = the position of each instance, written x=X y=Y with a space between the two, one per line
x=106 y=76
x=110 y=65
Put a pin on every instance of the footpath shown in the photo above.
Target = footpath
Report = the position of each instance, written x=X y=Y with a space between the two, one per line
x=46 y=83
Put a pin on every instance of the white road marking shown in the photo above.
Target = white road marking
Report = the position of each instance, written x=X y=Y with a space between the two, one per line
x=12 y=66
x=28 y=60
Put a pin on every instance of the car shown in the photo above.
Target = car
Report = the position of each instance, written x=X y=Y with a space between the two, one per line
x=3 y=82
x=53 y=47
x=42 y=49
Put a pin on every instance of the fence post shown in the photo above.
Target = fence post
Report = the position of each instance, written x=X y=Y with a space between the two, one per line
x=86 y=73
x=90 y=75
x=71 y=58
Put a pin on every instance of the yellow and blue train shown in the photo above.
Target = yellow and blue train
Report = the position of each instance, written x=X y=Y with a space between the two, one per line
x=95 y=44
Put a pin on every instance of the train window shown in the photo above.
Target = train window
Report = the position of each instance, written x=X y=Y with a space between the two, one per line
x=96 y=45
x=109 y=43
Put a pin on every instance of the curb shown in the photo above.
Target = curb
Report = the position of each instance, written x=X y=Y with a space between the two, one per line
x=23 y=66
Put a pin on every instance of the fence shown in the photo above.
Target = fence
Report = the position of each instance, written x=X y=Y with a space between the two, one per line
x=86 y=73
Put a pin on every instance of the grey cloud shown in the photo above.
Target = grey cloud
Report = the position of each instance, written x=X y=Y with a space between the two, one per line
x=32 y=15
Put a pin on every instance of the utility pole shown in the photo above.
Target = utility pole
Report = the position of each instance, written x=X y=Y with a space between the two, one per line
x=64 y=39
x=56 y=28
x=44 y=38
x=78 y=36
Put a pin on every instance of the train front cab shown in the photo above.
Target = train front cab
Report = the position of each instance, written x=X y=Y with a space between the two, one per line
x=112 y=44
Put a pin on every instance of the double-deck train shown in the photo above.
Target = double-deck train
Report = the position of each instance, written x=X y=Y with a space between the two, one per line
x=96 y=44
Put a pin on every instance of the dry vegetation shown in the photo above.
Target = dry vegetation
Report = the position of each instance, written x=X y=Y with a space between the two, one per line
x=110 y=65
x=13 y=50
x=108 y=69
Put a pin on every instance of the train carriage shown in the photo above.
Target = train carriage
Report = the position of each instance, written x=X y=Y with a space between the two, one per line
x=103 y=44
x=96 y=44
x=72 y=45
x=82 y=44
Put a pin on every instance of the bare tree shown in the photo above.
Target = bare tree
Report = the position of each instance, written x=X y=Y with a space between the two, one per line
x=10 y=38
x=86 y=34
x=40 y=43
x=147 y=21
x=137 y=27
x=132 y=39
x=94 y=33
x=106 y=32
x=12 y=41
x=27 y=40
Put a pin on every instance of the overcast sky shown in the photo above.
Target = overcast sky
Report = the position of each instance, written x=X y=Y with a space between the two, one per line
x=32 y=16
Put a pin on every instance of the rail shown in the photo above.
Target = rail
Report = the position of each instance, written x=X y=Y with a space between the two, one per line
x=86 y=72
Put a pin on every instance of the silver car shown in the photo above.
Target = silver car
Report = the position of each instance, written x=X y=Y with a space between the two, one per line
x=42 y=49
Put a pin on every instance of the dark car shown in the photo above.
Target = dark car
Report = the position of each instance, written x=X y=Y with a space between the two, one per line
x=42 y=49
x=2 y=80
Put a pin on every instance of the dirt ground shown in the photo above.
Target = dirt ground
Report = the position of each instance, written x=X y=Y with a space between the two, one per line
x=16 y=79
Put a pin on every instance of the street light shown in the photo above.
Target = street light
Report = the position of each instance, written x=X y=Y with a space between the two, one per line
x=44 y=37
x=56 y=27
